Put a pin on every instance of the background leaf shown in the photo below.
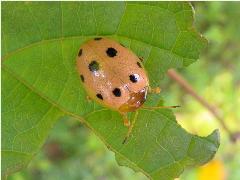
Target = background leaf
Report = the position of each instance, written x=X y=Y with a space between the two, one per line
x=40 y=41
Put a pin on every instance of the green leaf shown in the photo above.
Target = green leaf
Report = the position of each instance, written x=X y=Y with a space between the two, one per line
x=40 y=41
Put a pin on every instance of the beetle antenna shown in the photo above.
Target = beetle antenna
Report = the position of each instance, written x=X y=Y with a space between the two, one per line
x=160 y=107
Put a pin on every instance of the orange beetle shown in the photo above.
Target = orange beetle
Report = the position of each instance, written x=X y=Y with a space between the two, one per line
x=113 y=76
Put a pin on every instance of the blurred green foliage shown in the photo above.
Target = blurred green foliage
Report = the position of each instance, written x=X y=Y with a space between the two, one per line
x=74 y=152
x=215 y=77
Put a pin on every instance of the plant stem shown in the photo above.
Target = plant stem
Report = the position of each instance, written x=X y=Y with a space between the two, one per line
x=189 y=89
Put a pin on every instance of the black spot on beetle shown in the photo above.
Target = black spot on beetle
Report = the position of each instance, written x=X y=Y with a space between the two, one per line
x=82 y=78
x=99 y=96
x=93 y=66
x=134 y=78
x=97 y=38
x=111 y=52
x=80 y=53
x=139 y=64
x=117 y=92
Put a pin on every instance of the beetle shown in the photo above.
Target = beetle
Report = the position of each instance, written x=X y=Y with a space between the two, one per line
x=114 y=76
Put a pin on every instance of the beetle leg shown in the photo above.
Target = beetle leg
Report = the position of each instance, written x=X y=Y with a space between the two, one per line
x=126 y=121
x=156 y=90
x=141 y=59
x=130 y=128
x=88 y=99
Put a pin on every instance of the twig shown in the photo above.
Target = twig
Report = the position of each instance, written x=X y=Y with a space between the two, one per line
x=188 y=88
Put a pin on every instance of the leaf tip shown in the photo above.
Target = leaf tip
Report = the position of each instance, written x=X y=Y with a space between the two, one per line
x=214 y=137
